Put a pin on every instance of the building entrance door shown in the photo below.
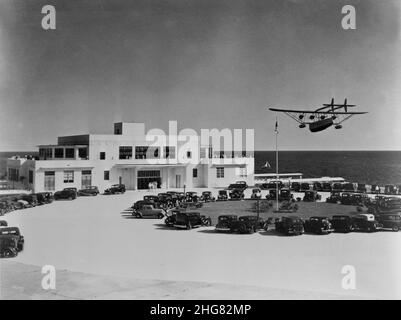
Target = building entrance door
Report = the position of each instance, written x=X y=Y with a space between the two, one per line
x=86 y=180
x=178 y=181
x=49 y=181
x=147 y=178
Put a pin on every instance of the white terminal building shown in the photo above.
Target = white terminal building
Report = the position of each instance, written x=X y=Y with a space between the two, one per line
x=132 y=157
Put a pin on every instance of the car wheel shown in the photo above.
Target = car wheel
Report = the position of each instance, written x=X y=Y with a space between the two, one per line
x=9 y=253
x=395 y=228
x=138 y=215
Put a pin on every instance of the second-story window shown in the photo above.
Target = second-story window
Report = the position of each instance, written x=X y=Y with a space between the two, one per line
x=194 y=173
x=59 y=153
x=169 y=152
x=125 y=152
x=102 y=155
x=189 y=154
x=220 y=172
x=69 y=153
x=68 y=176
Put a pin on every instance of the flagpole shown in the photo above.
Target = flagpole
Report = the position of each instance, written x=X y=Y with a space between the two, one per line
x=276 y=165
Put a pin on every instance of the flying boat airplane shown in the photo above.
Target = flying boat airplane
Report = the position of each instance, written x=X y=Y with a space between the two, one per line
x=322 y=118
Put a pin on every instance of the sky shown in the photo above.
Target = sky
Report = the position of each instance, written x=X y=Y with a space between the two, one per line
x=206 y=64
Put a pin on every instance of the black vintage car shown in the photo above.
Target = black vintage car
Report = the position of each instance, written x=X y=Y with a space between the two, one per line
x=366 y=223
x=239 y=186
x=115 y=188
x=191 y=196
x=30 y=198
x=89 y=191
x=237 y=194
x=291 y=225
x=390 y=221
x=335 y=197
x=44 y=197
x=337 y=187
x=65 y=194
x=275 y=185
x=222 y=195
x=11 y=242
x=327 y=187
x=207 y=196
x=317 y=186
x=304 y=187
x=246 y=224
x=224 y=222
x=285 y=195
x=342 y=223
x=318 y=225
x=189 y=220
x=295 y=186
x=311 y=196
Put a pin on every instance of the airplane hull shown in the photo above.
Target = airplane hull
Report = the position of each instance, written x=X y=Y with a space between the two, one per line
x=320 y=125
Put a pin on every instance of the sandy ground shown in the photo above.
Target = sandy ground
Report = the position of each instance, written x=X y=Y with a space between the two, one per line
x=101 y=252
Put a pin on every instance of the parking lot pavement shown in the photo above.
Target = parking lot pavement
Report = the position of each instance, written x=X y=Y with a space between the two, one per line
x=95 y=236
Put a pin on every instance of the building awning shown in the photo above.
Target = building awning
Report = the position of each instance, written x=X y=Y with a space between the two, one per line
x=229 y=165
x=141 y=166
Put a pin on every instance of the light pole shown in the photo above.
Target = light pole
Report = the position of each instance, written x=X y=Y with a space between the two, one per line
x=276 y=131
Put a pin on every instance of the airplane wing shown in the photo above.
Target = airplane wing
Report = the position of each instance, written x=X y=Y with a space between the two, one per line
x=313 y=112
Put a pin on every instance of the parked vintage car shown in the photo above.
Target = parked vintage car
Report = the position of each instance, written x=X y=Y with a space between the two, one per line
x=295 y=186
x=304 y=187
x=335 y=197
x=44 y=197
x=3 y=223
x=224 y=222
x=242 y=183
x=237 y=194
x=191 y=196
x=390 y=220
x=115 y=188
x=384 y=205
x=275 y=185
x=189 y=220
x=317 y=186
x=311 y=196
x=327 y=187
x=222 y=195
x=151 y=198
x=65 y=194
x=11 y=242
x=285 y=195
x=256 y=193
x=337 y=187
x=318 y=225
x=207 y=196
x=143 y=210
x=366 y=222
x=89 y=191
x=291 y=225
x=166 y=199
x=30 y=198
x=342 y=223
x=246 y=224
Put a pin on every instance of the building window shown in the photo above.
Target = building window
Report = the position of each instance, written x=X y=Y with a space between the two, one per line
x=220 y=172
x=45 y=153
x=107 y=175
x=125 y=152
x=13 y=174
x=189 y=154
x=243 y=172
x=69 y=153
x=102 y=155
x=145 y=152
x=169 y=152
x=68 y=176
x=83 y=153
x=194 y=173
x=59 y=153
x=30 y=176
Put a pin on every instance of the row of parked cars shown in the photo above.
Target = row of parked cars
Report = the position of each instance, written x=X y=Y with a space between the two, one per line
x=290 y=225
x=389 y=189
x=11 y=240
